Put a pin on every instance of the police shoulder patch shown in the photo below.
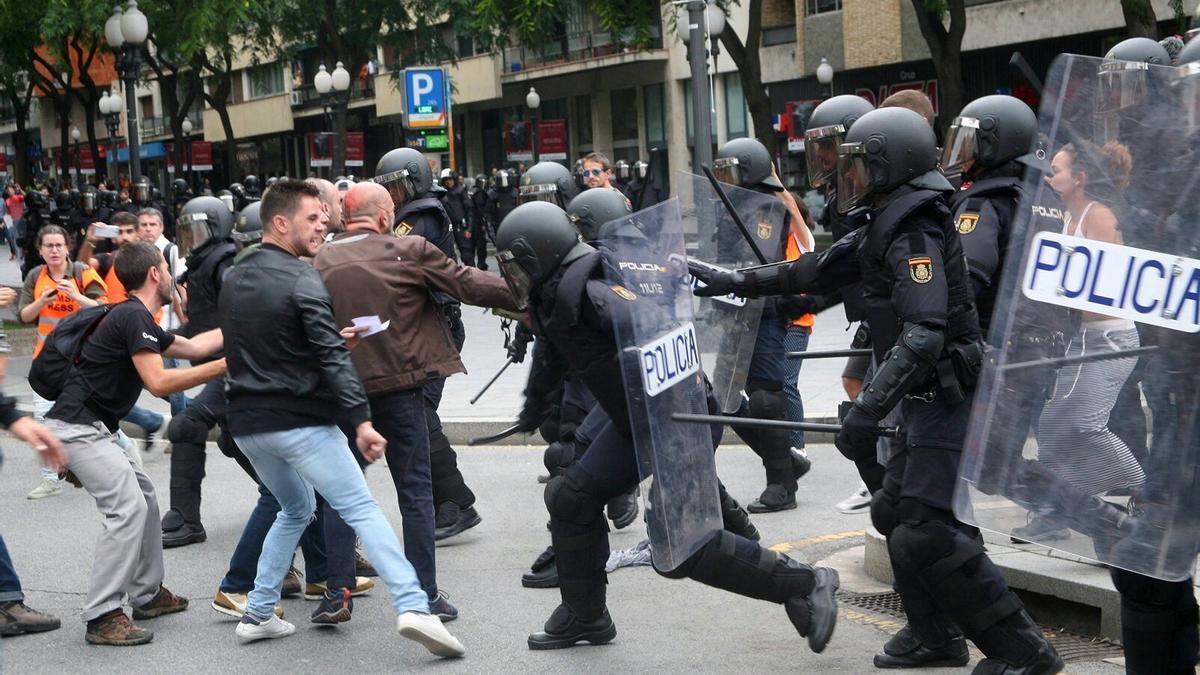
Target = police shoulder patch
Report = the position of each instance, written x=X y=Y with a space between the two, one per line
x=764 y=230
x=920 y=269
x=967 y=222
x=624 y=293
x=402 y=229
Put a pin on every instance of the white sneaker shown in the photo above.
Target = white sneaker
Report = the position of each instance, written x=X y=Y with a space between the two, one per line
x=429 y=631
x=859 y=502
x=250 y=630
x=46 y=488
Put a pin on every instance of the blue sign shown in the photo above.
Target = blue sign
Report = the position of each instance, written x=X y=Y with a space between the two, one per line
x=426 y=99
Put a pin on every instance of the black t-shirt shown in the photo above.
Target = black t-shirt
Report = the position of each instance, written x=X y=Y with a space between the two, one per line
x=106 y=385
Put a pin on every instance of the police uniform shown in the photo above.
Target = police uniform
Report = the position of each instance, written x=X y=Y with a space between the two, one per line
x=480 y=225
x=455 y=203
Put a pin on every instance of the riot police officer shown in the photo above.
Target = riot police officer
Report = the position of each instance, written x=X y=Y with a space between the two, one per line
x=547 y=182
x=181 y=194
x=252 y=187
x=481 y=227
x=407 y=176
x=205 y=227
x=745 y=162
x=921 y=313
x=454 y=200
x=572 y=309
x=502 y=197
x=643 y=191
x=248 y=230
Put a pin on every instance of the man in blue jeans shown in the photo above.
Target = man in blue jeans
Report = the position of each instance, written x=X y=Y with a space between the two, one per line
x=290 y=382
x=369 y=271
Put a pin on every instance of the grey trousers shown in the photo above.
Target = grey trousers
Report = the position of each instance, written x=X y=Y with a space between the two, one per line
x=129 y=557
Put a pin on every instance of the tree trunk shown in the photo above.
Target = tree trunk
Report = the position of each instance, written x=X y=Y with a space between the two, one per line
x=749 y=64
x=1140 y=20
x=945 y=47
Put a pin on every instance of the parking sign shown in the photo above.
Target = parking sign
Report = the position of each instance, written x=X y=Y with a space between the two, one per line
x=426 y=102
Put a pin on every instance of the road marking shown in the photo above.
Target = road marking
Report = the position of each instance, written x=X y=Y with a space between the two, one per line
x=784 y=547
x=879 y=621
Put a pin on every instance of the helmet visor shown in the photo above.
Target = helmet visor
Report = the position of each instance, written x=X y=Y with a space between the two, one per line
x=960 y=145
x=401 y=179
x=141 y=193
x=87 y=201
x=1188 y=87
x=191 y=231
x=1121 y=85
x=540 y=192
x=854 y=177
x=821 y=153
x=519 y=282
x=502 y=180
x=727 y=171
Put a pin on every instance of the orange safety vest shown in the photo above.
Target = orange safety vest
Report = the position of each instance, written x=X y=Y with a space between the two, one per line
x=62 y=305
x=117 y=293
x=793 y=252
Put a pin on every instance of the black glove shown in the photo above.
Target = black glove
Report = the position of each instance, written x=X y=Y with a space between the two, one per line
x=796 y=306
x=531 y=416
x=856 y=440
x=518 y=346
x=715 y=282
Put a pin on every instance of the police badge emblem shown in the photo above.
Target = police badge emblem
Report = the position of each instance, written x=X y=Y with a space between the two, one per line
x=920 y=270
x=624 y=293
x=402 y=229
x=967 y=222
x=764 y=230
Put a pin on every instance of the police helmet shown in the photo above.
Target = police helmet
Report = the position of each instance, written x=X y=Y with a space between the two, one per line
x=62 y=201
x=202 y=219
x=641 y=169
x=1123 y=81
x=621 y=170
x=827 y=126
x=1190 y=54
x=179 y=186
x=141 y=190
x=88 y=200
x=481 y=181
x=271 y=181
x=249 y=228
x=547 y=182
x=503 y=179
x=577 y=172
x=227 y=198
x=989 y=132
x=404 y=170
x=885 y=149
x=745 y=162
x=533 y=240
x=447 y=173
x=251 y=183
x=595 y=207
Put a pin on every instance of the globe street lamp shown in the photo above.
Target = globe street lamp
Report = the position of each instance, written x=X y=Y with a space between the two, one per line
x=332 y=87
x=825 y=74
x=78 y=171
x=187 y=131
x=533 y=100
x=110 y=108
x=125 y=33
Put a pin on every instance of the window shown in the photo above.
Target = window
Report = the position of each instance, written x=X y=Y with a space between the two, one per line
x=823 y=6
x=265 y=80
x=583 y=122
x=735 y=106
x=656 y=128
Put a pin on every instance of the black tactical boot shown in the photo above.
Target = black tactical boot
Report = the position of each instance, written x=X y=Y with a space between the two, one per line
x=775 y=498
x=452 y=520
x=1016 y=646
x=563 y=629
x=936 y=645
x=623 y=509
x=543 y=573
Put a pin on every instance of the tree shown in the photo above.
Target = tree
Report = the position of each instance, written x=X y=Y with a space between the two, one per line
x=1141 y=21
x=17 y=81
x=945 y=47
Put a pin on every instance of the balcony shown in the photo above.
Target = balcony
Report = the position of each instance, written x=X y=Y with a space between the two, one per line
x=161 y=126
x=306 y=96
x=574 y=48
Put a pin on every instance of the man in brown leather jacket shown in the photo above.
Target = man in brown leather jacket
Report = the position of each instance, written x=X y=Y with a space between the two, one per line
x=372 y=273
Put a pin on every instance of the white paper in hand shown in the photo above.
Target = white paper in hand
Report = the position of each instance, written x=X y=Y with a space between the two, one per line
x=372 y=323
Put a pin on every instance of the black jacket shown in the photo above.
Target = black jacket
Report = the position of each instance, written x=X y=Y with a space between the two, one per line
x=282 y=345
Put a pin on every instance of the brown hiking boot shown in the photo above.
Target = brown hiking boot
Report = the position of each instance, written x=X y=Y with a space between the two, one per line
x=117 y=630
x=293 y=583
x=164 y=602
x=17 y=618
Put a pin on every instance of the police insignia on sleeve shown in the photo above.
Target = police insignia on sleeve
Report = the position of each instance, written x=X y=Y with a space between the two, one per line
x=920 y=270
x=967 y=222
x=624 y=293
x=764 y=230
x=402 y=229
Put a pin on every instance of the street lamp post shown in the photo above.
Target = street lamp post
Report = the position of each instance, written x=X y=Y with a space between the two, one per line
x=333 y=87
x=78 y=169
x=825 y=75
x=533 y=101
x=127 y=32
x=187 y=131
x=693 y=37
x=110 y=107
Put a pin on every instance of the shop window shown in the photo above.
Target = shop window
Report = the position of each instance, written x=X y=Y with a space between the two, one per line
x=823 y=6
x=265 y=80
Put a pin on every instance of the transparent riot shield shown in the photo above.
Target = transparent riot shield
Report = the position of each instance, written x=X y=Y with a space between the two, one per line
x=1084 y=432
x=728 y=325
x=661 y=365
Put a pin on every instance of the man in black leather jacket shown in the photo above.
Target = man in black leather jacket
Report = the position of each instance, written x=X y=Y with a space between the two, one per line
x=290 y=381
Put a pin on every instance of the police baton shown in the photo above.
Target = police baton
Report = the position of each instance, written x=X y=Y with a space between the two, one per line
x=485 y=440
x=737 y=220
x=888 y=432
x=831 y=354
x=492 y=381
x=1082 y=358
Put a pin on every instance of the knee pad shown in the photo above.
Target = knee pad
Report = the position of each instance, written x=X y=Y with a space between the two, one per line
x=768 y=404
x=570 y=498
x=884 y=516
x=186 y=429
x=917 y=546
x=558 y=456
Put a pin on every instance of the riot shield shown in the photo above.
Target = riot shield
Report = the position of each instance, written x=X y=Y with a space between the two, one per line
x=661 y=365
x=1098 y=310
x=728 y=325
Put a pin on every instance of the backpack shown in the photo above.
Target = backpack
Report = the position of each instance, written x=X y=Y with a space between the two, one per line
x=62 y=351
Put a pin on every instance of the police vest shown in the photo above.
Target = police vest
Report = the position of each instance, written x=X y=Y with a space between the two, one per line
x=204 y=286
x=426 y=217
x=982 y=217
x=962 y=323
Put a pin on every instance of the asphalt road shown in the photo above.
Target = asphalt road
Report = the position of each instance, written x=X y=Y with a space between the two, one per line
x=663 y=625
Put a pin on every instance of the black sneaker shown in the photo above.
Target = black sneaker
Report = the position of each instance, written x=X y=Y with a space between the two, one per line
x=442 y=609
x=335 y=607
x=453 y=520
